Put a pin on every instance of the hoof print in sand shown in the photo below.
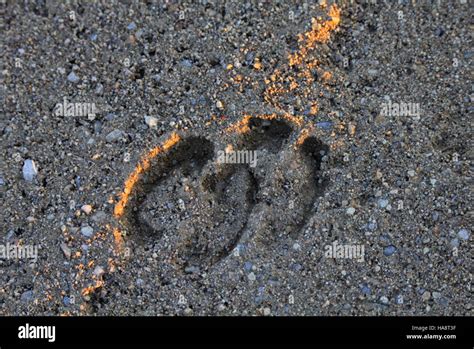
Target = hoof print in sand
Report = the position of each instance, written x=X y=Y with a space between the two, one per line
x=195 y=208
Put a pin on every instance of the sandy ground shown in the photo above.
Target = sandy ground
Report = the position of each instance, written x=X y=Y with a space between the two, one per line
x=359 y=117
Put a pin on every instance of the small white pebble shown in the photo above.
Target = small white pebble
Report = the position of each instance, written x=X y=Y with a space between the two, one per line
x=126 y=157
x=384 y=300
x=30 y=171
x=86 y=209
x=151 y=121
x=72 y=77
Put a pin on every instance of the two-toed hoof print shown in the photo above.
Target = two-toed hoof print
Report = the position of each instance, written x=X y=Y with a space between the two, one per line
x=196 y=208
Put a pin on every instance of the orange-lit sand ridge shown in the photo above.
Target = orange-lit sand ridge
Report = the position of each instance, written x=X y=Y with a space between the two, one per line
x=319 y=33
x=142 y=166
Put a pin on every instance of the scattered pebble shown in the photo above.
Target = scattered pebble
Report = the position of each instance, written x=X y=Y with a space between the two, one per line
x=99 y=89
x=114 y=136
x=365 y=290
x=72 y=77
x=383 y=203
x=97 y=127
x=151 y=121
x=296 y=267
x=110 y=116
x=373 y=72
x=389 y=250
x=98 y=271
x=251 y=277
x=181 y=205
x=187 y=63
x=87 y=209
x=436 y=295
x=99 y=217
x=426 y=296
x=132 y=26
x=384 y=300
x=66 y=250
x=67 y=301
x=325 y=125
x=27 y=296
x=249 y=57
x=10 y=235
x=30 y=171
x=372 y=225
x=464 y=234
x=191 y=269
x=350 y=211
x=399 y=299
x=87 y=231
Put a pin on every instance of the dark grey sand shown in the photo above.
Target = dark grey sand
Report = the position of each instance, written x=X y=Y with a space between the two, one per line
x=204 y=238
